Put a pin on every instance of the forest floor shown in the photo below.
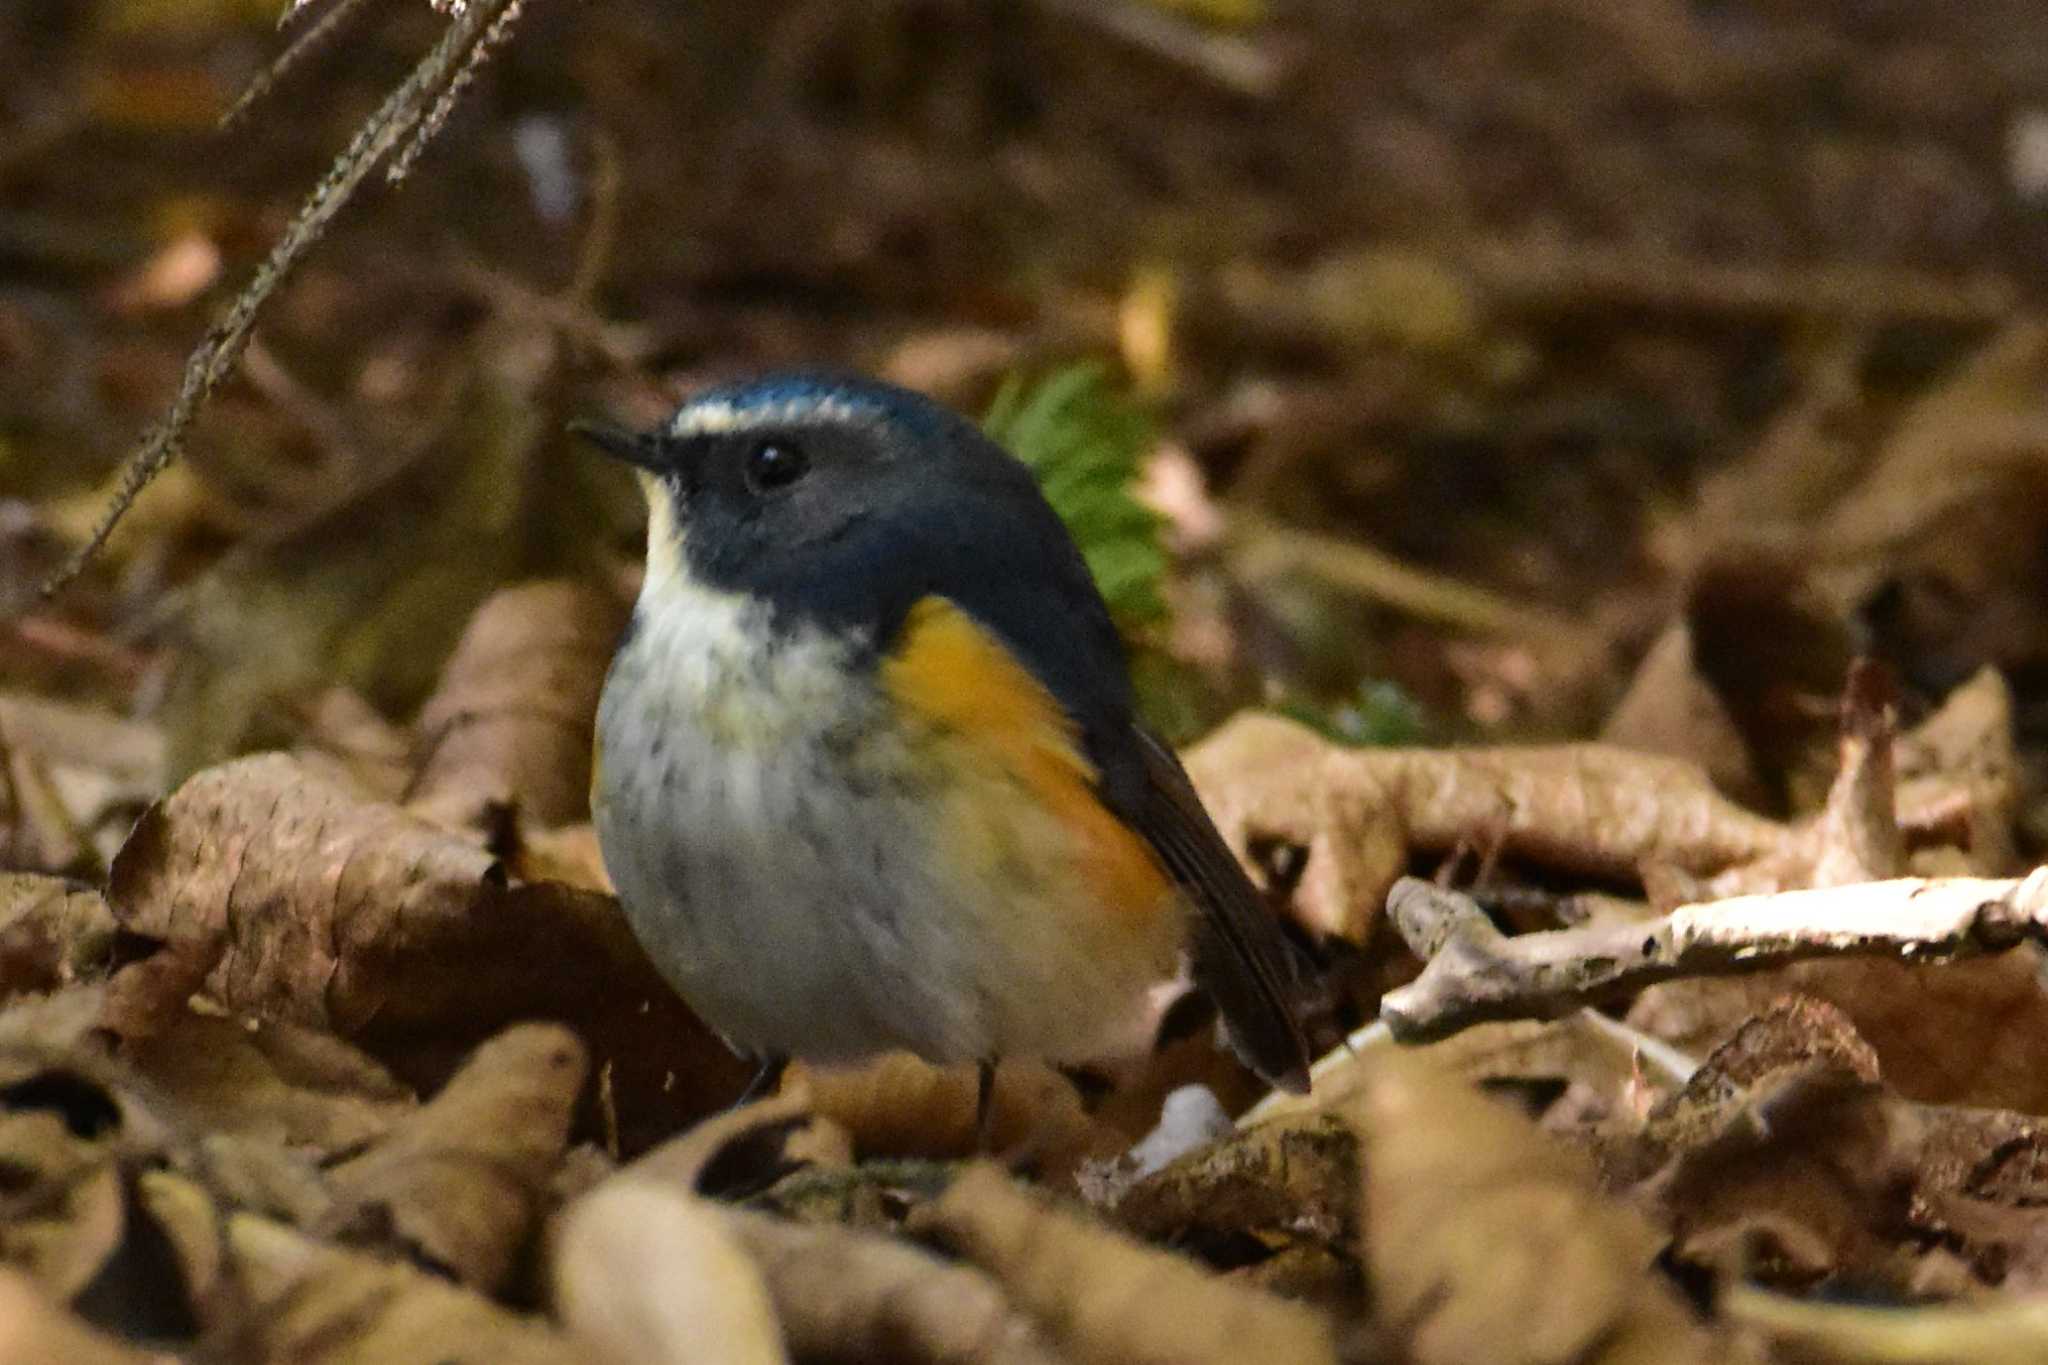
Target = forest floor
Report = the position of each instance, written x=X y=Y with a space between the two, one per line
x=1598 y=458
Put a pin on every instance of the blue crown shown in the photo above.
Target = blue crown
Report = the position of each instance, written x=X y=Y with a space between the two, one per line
x=794 y=396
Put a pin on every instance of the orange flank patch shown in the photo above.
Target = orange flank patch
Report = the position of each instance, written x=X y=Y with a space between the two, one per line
x=961 y=679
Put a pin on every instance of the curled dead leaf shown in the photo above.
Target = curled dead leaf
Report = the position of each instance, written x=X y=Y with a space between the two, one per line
x=278 y=1083
x=1999 y=1333
x=318 y=1305
x=1788 y=1162
x=1362 y=814
x=53 y=933
x=652 y=1275
x=1486 y=1240
x=897 y=1105
x=283 y=896
x=511 y=721
x=748 y=1148
x=35 y=1331
x=1104 y=1298
x=458 y=1183
x=839 y=1292
x=1279 y=1201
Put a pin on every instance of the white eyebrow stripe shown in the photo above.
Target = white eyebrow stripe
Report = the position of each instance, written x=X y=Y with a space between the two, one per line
x=719 y=417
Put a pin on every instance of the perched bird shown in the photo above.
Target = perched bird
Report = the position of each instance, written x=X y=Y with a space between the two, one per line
x=869 y=772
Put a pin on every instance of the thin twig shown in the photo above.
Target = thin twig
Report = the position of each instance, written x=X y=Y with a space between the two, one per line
x=489 y=39
x=316 y=37
x=409 y=109
x=1475 y=973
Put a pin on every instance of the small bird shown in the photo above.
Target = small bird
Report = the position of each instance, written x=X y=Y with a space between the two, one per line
x=869 y=770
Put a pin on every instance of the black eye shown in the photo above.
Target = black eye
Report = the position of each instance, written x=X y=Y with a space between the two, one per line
x=775 y=464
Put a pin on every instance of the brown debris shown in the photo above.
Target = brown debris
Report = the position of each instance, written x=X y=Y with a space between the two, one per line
x=1787 y=1161
x=277 y=1083
x=510 y=723
x=457 y=1184
x=1927 y=1023
x=1106 y=1299
x=283 y=887
x=1484 y=1240
x=1361 y=814
x=53 y=933
x=651 y=1275
x=903 y=1106
x=1288 y=1187
x=347 y=740
x=837 y=1291
x=316 y=1304
x=748 y=1147
x=2013 y=1332
x=35 y=1331
x=282 y=896
x=1804 y=1178
x=873 y=1298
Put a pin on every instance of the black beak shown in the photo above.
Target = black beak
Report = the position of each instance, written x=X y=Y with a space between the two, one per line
x=634 y=447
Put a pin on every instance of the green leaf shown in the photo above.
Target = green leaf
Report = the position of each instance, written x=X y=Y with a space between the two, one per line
x=1084 y=440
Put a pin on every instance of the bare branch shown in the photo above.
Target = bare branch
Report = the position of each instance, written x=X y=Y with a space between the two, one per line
x=411 y=112
x=316 y=37
x=1475 y=973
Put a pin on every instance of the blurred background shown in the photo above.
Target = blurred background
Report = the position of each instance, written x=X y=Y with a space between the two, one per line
x=1491 y=369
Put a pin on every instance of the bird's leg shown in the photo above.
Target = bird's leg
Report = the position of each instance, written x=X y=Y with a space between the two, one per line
x=766 y=1080
x=984 y=1103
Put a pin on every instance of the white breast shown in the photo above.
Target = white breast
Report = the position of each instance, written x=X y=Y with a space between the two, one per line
x=792 y=861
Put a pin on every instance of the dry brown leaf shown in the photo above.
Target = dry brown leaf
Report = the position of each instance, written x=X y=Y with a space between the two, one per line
x=1589 y=809
x=1959 y=777
x=1992 y=1333
x=748 y=1148
x=511 y=721
x=568 y=854
x=1280 y=1199
x=1263 y=778
x=1486 y=1240
x=458 y=1184
x=35 y=1331
x=291 y=885
x=1670 y=709
x=1927 y=1023
x=1784 y=1161
x=278 y=1084
x=56 y=1023
x=838 y=1292
x=852 y=1295
x=53 y=933
x=1804 y=1176
x=63 y=1129
x=71 y=779
x=314 y=1304
x=38 y=832
x=649 y=1274
x=283 y=896
x=83 y=1215
x=1104 y=1298
x=344 y=738
x=899 y=1106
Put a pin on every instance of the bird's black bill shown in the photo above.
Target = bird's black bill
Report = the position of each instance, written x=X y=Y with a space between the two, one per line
x=634 y=447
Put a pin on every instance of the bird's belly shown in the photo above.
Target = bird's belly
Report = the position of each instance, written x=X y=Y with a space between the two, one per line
x=816 y=882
